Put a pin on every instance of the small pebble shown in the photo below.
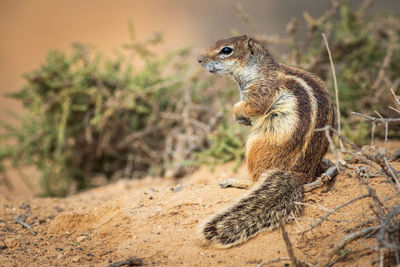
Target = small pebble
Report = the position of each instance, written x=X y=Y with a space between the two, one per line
x=80 y=238
x=86 y=233
x=76 y=258
x=179 y=188
x=58 y=209
x=11 y=243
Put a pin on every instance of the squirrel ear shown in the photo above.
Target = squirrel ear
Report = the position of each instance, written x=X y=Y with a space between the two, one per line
x=250 y=46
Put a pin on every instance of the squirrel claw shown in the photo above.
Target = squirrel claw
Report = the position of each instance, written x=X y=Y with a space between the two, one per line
x=226 y=183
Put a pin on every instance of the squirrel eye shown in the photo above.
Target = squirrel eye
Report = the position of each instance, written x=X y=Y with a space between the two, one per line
x=226 y=50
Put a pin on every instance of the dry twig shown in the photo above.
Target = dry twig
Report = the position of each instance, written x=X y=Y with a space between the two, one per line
x=375 y=119
x=346 y=240
x=323 y=218
x=396 y=98
x=382 y=230
x=21 y=220
x=246 y=18
x=336 y=90
x=289 y=247
x=323 y=179
x=273 y=261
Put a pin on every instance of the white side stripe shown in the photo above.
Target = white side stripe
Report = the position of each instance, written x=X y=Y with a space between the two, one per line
x=314 y=108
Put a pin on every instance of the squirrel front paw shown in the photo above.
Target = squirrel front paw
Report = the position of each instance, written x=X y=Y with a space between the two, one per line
x=240 y=115
x=243 y=120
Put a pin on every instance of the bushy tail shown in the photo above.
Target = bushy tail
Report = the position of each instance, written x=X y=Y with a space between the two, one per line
x=271 y=199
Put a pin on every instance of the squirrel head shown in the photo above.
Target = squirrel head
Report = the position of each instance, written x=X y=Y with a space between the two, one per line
x=233 y=55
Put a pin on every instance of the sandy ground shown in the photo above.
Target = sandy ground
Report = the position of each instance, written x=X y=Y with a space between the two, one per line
x=156 y=220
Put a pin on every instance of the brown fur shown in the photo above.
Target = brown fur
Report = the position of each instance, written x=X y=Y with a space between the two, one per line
x=285 y=106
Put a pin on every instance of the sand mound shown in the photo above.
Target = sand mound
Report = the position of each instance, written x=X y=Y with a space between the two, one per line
x=156 y=220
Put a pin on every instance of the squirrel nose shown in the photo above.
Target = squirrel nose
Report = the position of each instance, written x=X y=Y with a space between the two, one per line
x=200 y=59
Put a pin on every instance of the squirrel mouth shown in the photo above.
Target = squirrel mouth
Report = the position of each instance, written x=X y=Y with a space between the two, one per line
x=212 y=69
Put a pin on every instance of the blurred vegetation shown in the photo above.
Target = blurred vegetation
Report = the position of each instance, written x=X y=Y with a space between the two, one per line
x=227 y=144
x=89 y=117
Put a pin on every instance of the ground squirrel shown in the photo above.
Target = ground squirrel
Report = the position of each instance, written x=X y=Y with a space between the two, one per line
x=284 y=105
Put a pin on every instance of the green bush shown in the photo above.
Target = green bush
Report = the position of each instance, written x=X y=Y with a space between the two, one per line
x=366 y=52
x=367 y=56
x=86 y=115
x=226 y=144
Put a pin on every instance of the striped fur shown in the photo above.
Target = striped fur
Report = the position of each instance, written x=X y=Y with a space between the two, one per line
x=284 y=105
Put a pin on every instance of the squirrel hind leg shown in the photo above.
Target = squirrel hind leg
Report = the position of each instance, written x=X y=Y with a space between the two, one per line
x=271 y=199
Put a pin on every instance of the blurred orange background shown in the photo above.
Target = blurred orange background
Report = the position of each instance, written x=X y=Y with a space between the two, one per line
x=29 y=28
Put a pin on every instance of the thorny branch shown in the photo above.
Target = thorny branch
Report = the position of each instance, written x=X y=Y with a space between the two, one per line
x=382 y=225
x=375 y=119
x=323 y=218
x=382 y=231
x=347 y=240
x=383 y=212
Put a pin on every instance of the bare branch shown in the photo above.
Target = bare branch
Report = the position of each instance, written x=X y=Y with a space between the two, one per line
x=246 y=18
x=373 y=127
x=375 y=119
x=289 y=247
x=381 y=233
x=344 y=139
x=323 y=179
x=336 y=90
x=323 y=218
x=392 y=172
x=315 y=23
x=346 y=240
x=396 y=98
x=386 y=126
x=395 y=109
x=331 y=145
x=395 y=156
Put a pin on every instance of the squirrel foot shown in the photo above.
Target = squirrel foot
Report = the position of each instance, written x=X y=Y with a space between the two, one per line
x=241 y=184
